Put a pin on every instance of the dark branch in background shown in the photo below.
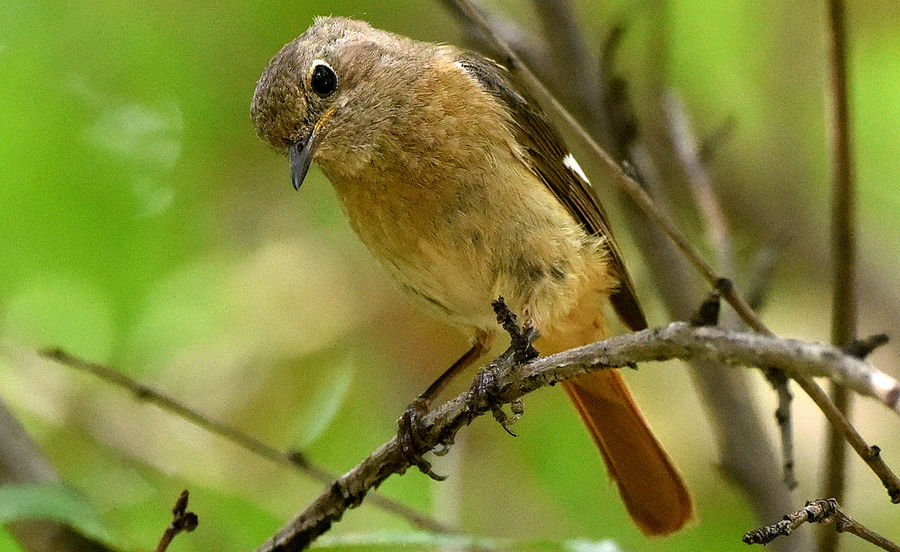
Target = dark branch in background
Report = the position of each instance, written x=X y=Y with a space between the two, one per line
x=824 y=511
x=533 y=50
x=511 y=381
x=763 y=270
x=585 y=88
x=182 y=521
x=295 y=459
x=659 y=218
x=22 y=463
x=716 y=227
x=843 y=313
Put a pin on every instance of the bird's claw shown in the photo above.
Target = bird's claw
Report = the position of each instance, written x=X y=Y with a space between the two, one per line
x=409 y=431
x=486 y=393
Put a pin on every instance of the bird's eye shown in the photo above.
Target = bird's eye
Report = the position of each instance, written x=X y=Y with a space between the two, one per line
x=323 y=80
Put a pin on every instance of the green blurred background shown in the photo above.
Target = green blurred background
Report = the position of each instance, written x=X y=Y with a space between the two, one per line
x=144 y=225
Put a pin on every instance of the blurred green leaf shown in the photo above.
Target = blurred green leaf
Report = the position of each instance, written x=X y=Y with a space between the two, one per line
x=324 y=403
x=7 y=543
x=50 y=501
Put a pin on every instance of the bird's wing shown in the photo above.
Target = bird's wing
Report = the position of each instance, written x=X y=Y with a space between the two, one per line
x=556 y=167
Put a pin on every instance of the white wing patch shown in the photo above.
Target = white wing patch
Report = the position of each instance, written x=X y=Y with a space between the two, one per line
x=571 y=164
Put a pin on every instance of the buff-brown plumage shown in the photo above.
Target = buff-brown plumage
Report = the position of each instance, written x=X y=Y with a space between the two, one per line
x=461 y=189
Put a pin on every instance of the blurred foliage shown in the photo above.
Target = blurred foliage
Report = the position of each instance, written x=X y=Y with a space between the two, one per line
x=50 y=501
x=143 y=224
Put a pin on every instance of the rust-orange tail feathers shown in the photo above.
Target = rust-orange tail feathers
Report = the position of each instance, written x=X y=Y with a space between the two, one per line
x=650 y=485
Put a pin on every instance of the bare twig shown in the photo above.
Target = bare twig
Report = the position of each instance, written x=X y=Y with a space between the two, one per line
x=826 y=511
x=630 y=186
x=715 y=224
x=716 y=227
x=862 y=348
x=513 y=381
x=530 y=47
x=780 y=383
x=745 y=452
x=295 y=459
x=843 y=313
x=182 y=520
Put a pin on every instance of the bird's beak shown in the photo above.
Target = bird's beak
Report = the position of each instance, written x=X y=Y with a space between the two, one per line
x=301 y=154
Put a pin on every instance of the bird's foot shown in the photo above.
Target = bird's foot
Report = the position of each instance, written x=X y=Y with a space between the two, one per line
x=409 y=436
x=486 y=393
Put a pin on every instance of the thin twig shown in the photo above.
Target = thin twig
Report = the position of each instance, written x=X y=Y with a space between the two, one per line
x=685 y=143
x=513 y=381
x=826 y=511
x=843 y=313
x=716 y=227
x=182 y=521
x=645 y=202
x=533 y=49
x=745 y=453
x=294 y=459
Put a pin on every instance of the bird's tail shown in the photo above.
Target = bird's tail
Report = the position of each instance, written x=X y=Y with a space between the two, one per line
x=651 y=487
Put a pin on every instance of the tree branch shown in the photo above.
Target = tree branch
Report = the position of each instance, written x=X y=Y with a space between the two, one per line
x=513 y=381
x=586 y=86
x=716 y=227
x=22 y=462
x=643 y=200
x=182 y=521
x=295 y=459
x=843 y=313
x=824 y=511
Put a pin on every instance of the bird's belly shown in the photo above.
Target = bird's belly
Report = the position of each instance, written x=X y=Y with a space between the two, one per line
x=447 y=273
x=456 y=249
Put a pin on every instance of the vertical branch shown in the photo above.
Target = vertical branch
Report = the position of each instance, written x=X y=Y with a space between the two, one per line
x=843 y=314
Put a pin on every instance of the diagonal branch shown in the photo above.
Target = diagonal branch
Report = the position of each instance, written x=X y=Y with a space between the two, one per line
x=677 y=340
x=569 y=48
x=643 y=200
x=23 y=463
x=826 y=511
x=294 y=459
x=719 y=236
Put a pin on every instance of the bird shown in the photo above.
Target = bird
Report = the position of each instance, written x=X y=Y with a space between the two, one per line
x=455 y=180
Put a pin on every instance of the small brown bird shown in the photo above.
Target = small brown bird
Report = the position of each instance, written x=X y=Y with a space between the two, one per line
x=464 y=192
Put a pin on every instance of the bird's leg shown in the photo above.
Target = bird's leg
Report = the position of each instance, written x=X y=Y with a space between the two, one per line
x=410 y=423
x=485 y=390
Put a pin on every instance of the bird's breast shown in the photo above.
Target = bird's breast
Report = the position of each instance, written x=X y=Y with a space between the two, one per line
x=457 y=239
